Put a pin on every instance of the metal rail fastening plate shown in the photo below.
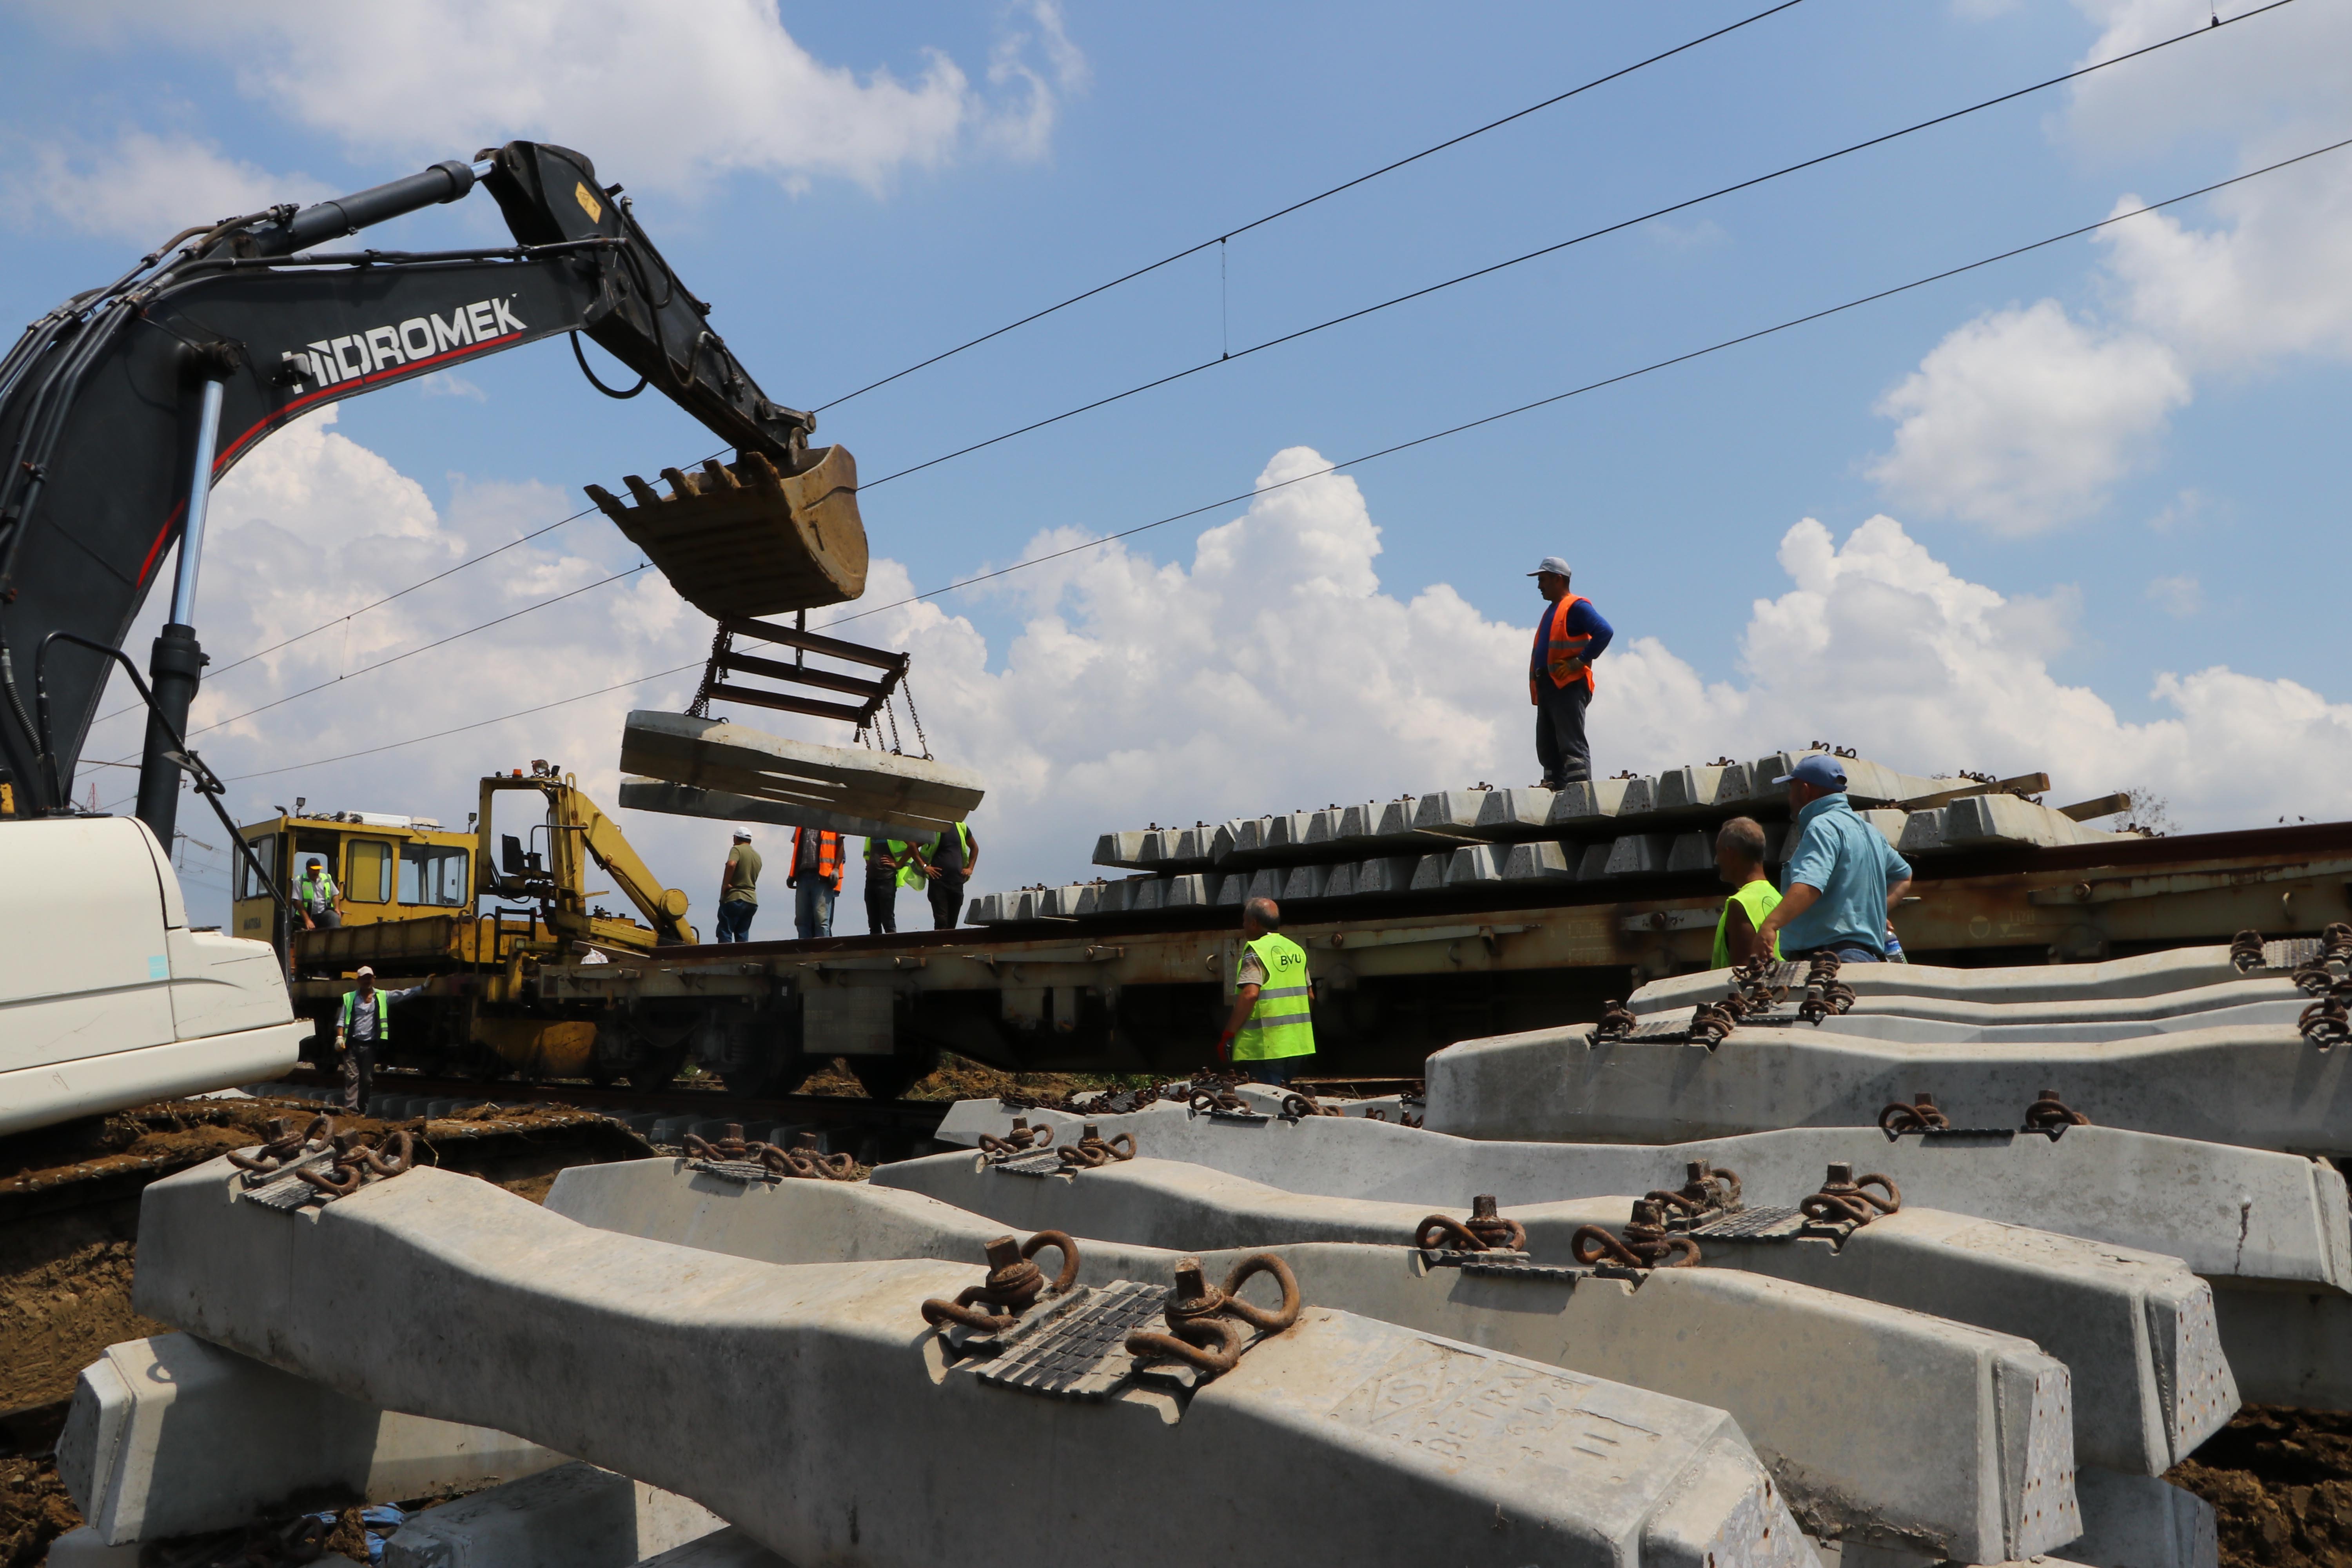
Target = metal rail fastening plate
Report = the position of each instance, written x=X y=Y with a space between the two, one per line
x=2294 y=953
x=1754 y=1225
x=744 y=1173
x=282 y=1189
x=1048 y=1163
x=1079 y=1352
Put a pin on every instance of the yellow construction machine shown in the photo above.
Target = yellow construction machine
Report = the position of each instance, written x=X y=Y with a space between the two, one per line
x=471 y=917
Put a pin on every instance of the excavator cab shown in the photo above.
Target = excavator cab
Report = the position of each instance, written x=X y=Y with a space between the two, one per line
x=551 y=863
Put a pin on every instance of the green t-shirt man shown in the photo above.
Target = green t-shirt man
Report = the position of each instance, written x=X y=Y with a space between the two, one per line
x=741 y=883
x=1739 y=860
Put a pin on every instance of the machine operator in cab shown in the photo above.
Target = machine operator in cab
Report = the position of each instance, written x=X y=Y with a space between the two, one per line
x=1270 y=1032
x=317 y=897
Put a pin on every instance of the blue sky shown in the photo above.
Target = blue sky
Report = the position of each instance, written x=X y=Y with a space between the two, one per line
x=2117 y=441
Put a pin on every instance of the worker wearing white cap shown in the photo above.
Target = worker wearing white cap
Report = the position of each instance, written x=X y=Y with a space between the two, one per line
x=1569 y=638
x=739 y=889
x=364 y=1023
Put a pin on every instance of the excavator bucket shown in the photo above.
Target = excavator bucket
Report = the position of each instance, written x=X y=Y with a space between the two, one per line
x=711 y=768
x=748 y=538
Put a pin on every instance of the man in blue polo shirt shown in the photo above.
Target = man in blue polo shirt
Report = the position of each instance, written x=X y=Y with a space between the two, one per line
x=1842 y=879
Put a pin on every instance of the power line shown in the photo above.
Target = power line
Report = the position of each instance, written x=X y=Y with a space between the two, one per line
x=1308 y=202
x=461 y=728
x=1256 y=491
x=411 y=653
x=1223 y=359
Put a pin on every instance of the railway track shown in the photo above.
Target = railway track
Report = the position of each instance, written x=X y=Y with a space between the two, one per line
x=889 y=1129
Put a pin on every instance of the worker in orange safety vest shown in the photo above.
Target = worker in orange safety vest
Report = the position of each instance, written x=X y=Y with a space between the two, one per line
x=817 y=878
x=1569 y=638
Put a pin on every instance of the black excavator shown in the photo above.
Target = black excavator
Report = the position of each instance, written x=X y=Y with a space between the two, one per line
x=121 y=407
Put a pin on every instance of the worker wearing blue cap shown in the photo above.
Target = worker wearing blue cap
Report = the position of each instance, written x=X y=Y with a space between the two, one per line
x=1842 y=879
x=1569 y=638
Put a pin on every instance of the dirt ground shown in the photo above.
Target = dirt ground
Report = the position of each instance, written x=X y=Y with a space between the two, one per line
x=2281 y=1483
x=68 y=1219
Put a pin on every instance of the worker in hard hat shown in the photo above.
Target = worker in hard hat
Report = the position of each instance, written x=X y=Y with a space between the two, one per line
x=1842 y=881
x=317 y=898
x=1569 y=638
x=363 y=1024
x=1739 y=860
x=739 y=889
x=1269 y=1031
x=890 y=864
x=815 y=878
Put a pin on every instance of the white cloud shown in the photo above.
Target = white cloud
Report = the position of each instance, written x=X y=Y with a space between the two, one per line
x=664 y=96
x=141 y=188
x=449 y=384
x=1271 y=671
x=2022 y=419
x=2180 y=598
x=2021 y=440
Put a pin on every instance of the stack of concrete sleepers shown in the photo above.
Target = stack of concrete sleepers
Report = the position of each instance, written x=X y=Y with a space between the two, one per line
x=1610 y=829
x=613 y=1324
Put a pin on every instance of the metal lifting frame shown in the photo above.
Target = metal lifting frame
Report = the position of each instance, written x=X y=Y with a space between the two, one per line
x=725 y=660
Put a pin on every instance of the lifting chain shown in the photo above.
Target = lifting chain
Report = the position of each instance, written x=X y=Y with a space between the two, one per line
x=1645 y=1243
x=1486 y=1231
x=1617 y=1022
x=1022 y=1139
x=1844 y=1200
x=1091 y=1152
x=807 y=1161
x=1207 y=1326
x=357 y=1159
x=2246 y=952
x=283 y=1145
x=1919 y=1116
x=1013 y=1286
x=1704 y=1190
x=2048 y=1114
x=1825 y=994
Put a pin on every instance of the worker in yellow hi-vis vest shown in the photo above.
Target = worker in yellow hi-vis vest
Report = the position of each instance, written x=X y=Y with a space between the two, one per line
x=1270 y=1029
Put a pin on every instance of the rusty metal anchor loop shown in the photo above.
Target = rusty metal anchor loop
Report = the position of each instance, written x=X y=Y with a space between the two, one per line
x=1023 y=1139
x=1013 y=1286
x=394 y=1155
x=1298 y=1103
x=2335 y=942
x=1920 y=1116
x=729 y=1145
x=2048 y=1113
x=1484 y=1231
x=1617 y=1022
x=1092 y=1151
x=806 y=1160
x=339 y=1180
x=2327 y=1023
x=1208 y=1325
x=1704 y=1189
x=1214 y=1098
x=1843 y=1196
x=1645 y=1243
x=1711 y=1023
x=280 y=1144
x=2314 y=979
x=2246 y=952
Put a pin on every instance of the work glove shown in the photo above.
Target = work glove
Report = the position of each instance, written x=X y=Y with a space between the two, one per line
x=1225 y=1046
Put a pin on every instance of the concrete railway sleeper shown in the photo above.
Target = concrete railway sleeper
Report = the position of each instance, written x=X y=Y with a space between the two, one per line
x=865 y=1442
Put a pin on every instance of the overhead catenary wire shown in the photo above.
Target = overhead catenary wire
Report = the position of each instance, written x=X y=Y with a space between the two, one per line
x=1224 y=358
x=412 y=653
x=1303 y=202
x=1253 y=493
x=1227 y=356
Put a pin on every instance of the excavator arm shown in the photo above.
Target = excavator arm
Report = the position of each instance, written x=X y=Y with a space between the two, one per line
x=118 y=409
x=577 y=833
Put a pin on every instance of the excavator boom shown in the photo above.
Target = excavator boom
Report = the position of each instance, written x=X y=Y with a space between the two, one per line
x=118 y=408
x=578 y=832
